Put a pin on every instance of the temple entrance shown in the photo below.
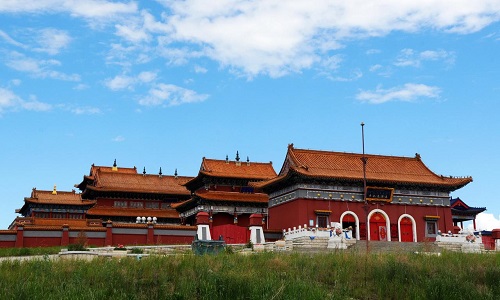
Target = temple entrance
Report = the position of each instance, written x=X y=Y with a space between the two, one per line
x=349 y=221
x=232 y=234
x=406 y=226
x=378 y=227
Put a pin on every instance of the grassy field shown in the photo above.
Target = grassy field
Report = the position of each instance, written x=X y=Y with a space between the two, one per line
x=4 y=252
x=258 y=276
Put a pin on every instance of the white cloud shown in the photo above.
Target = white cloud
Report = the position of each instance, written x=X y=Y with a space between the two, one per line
x=81 y=87
x=118 y=139
x=279 y=37
x=200 y=69
x=412 y=58
x=373 y=51
x=375 y=68
x=39 y=68
x=122 y=82
x=10 y=101
x=268 y=37
x=332 y=62
x=10 y=40
x=409 y=92
x=170 y=95
x=146 y=76
x=354 y=75
x=132 y=33
x=95 y=9
x=486 y=221
x=85 y=110
x=52 y=40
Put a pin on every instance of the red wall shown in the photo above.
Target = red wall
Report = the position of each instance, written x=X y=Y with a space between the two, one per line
x=299 y=212
x=47 y=238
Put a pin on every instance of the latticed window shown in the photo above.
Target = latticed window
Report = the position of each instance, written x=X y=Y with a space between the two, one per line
x=153 y=205
x=120 y=204
x=136 y=204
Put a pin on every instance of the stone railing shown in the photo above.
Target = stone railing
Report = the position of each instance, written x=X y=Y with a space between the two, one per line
x=314 y=232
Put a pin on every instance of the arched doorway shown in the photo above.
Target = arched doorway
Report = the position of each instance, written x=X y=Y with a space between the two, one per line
x=407 y=230
x=378 y=227
x=349 y=220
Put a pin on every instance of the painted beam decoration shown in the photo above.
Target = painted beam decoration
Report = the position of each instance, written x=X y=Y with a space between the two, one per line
x=379 y=194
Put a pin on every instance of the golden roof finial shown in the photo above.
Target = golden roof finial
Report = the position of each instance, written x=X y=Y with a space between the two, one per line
x=54 y=191
x=115 y=167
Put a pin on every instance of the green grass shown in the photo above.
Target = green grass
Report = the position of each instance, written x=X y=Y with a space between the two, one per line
x=4 y=252
x=259 y=276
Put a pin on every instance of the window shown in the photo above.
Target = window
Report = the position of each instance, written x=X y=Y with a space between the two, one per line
x=120 y=204
x=322 y=221
x=154 y=205
x=136 y=204
x=431 y=228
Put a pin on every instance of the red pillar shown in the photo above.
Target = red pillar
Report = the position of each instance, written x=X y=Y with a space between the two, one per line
x=150 y=239
x=20 y=236
x=109 y=234
x=65 y=235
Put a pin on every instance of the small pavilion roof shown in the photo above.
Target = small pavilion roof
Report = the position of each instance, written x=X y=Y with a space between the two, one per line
x=459 y=207
x=57 y=198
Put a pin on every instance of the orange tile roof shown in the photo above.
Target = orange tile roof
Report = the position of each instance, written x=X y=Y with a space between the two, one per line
x=349 y=166
x=59 y=222
x=233 y=196
x=105 y=180
x=61 y=198
x=132 y=212
x=179 y=204
x=230 y=169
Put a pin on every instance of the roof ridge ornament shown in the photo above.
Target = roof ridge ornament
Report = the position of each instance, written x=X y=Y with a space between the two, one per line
x=54 y=191
x=227 y=159
x=115 y=167
x=144 y=171
x=175 y=173
x=160 y=173
x=238 y=163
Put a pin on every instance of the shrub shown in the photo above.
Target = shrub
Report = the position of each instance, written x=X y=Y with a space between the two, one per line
x=137 y=251
x=249 y=244
x=77 y=247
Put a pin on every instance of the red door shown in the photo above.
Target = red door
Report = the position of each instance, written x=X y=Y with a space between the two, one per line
x=378 y=228
x=232 y=234
x=406 y=230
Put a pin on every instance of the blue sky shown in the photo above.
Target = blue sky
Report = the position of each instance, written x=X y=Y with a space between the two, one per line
x=164 y=83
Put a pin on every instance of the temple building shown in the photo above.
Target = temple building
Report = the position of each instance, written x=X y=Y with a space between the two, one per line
x=405 y=200
x=54 y=208
x=384 y=198
x=222 y=192
x=123 y=195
